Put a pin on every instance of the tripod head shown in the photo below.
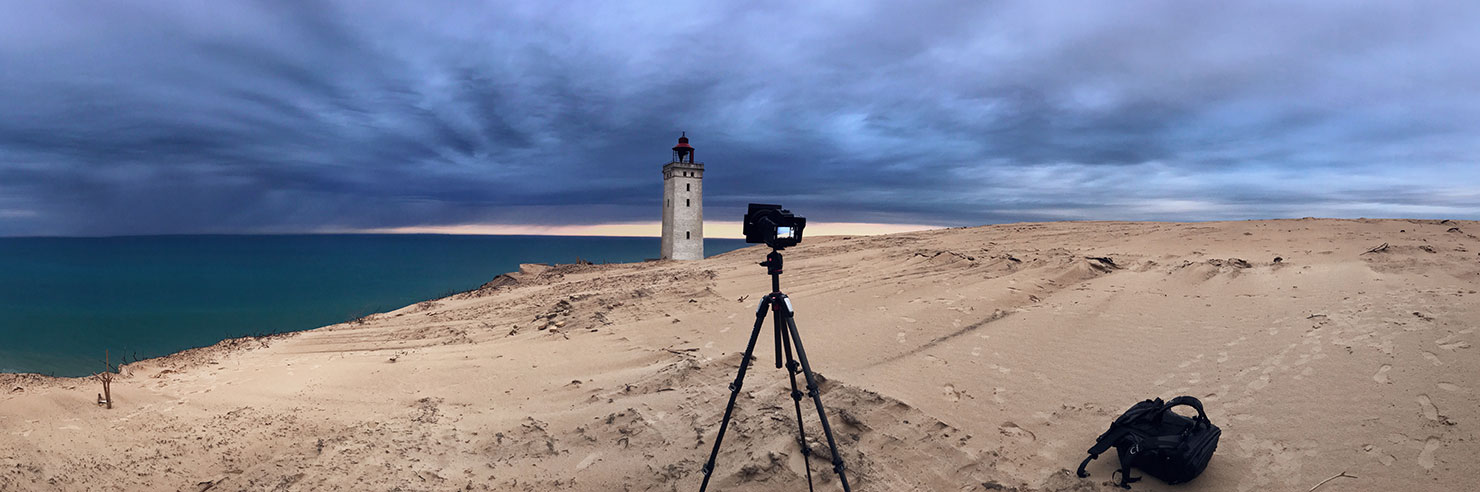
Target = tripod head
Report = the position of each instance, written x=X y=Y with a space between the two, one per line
x=773 y=268
x=773 y=262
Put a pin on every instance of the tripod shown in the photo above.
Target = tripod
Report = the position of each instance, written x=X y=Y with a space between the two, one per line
x=786 y=334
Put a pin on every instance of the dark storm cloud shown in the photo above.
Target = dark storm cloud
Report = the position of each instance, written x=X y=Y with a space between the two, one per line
x=167 y=117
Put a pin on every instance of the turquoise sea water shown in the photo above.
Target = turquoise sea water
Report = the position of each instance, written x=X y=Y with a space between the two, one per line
x=63 y=301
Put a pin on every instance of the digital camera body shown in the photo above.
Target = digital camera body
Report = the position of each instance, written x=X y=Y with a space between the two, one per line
x=773 y=225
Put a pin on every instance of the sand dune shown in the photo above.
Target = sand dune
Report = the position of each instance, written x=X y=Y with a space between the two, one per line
x=985 y=358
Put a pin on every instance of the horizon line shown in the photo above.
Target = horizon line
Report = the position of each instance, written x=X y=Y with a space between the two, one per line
x=712 y=229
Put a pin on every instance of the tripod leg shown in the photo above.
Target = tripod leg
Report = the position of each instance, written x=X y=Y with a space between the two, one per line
x=796 y=398
x=760 y=318
x=779 y=328
x=837 y=460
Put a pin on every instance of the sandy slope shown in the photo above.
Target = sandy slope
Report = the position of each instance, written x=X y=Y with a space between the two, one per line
x=967 y=359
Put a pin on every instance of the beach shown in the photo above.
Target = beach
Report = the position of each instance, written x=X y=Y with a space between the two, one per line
x=66 y=302
x=984 y=358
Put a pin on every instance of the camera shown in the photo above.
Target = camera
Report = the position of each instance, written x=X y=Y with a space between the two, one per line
x=773 y=225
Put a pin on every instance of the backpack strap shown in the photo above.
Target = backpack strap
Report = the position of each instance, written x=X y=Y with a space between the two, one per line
x=1128 y=455
x=1102 y=444
x=1184 y=400
x=1144 y=410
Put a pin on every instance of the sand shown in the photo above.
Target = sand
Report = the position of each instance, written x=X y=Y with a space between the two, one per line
x=984 y=358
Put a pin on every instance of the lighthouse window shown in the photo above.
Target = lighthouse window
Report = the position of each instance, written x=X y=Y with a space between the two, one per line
x=686 y=235
x=686 y=187
x=686 y=203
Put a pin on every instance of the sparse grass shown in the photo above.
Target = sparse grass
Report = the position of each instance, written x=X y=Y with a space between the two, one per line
x=265 y=337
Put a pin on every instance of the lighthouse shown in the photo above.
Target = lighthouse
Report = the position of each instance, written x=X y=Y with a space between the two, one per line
x=683 y=204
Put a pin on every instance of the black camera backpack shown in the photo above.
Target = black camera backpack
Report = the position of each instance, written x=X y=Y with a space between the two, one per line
x=1163 y=444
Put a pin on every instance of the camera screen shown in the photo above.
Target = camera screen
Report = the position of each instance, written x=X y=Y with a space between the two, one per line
x=784 y=232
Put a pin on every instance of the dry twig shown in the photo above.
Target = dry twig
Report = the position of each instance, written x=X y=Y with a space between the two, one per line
x=106 y=377
x=1333 y=477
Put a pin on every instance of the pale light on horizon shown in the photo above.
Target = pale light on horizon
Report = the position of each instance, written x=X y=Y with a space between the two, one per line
x=717 y=229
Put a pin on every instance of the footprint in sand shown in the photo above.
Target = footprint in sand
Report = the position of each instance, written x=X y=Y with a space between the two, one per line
x=1259 y=384
x=976 y=351
x=589 y=460
x=900 y=337
x=1381 y=376
x=952 y=393
x=1434 y=359
x=1455 y=345
x=907 y=319
x=1426 y=405
x=1426 y=457
x=1451 y=387
x=1384 y=458
x=1012 y=430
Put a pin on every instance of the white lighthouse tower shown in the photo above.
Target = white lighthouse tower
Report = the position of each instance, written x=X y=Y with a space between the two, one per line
x=683 y=204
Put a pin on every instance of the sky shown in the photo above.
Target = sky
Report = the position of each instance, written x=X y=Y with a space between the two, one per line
x=180 y=117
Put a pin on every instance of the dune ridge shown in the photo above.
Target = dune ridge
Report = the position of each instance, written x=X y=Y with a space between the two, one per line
x=984 y=358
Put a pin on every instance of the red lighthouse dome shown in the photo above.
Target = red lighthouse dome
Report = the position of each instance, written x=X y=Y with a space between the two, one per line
x=683 y=152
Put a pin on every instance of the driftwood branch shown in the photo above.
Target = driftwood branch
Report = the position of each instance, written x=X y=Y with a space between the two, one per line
x=1333 y=477
x=106 y=377
x=1380 y=248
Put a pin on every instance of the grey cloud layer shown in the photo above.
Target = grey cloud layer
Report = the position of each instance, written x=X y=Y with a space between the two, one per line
x=168 y=117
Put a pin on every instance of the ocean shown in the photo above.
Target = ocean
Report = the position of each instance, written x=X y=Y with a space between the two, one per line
x=64 y=301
